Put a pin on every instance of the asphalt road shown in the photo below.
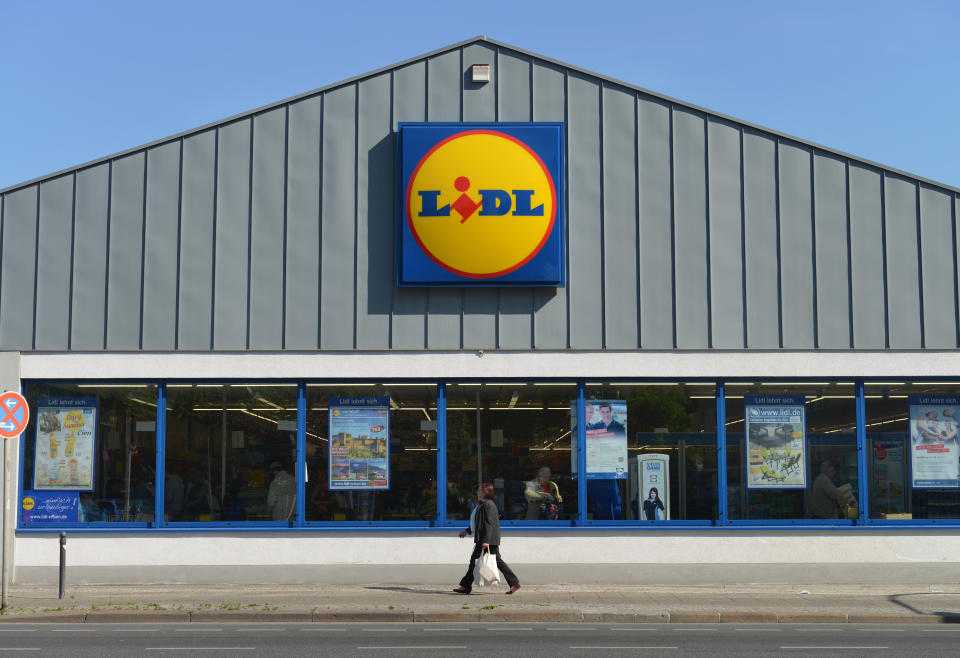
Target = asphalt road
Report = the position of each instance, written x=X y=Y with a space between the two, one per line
x=279 y=639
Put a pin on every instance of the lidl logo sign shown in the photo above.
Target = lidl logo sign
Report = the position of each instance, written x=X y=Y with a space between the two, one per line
x=481 y=204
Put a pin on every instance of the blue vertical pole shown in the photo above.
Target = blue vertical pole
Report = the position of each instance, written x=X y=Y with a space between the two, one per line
x=722 y=516
x=161 y=438
x=862 y=453
x=441 y=517
x=581 y=439
x=301 y=454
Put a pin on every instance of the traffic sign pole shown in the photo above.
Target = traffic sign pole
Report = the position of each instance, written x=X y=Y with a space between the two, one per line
x=14 y=415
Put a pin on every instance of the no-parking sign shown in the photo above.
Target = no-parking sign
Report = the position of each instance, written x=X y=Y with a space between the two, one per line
x=14 y=414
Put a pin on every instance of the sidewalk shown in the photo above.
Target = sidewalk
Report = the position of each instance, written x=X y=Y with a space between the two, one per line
x=533 y=603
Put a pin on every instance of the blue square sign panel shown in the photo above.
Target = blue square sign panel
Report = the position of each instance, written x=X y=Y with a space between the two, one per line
x=481 y=204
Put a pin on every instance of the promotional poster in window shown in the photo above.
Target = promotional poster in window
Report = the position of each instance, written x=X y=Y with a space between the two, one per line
x=66 y=444
x=606 y=437
x=359 y=443
x=934 y=459
x=776 y=441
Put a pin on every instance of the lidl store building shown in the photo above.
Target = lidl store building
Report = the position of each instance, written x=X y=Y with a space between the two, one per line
x=285 y=347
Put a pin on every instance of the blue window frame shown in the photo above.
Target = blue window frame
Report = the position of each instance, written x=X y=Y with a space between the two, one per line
x=867 y=417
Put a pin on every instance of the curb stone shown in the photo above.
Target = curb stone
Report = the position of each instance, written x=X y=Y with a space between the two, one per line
x=249 y=615
x=812 y=618
x=694 y=618
x=364 y=617
x=135 y=616
x=531 y=615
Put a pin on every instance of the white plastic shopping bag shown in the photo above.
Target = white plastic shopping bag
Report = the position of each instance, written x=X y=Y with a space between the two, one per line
x=485 y=571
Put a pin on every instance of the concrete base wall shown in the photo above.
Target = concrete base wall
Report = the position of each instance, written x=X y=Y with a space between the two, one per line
x=925 y=574
x=721 y=556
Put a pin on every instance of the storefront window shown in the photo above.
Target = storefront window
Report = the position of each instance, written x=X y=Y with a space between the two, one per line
x=375 y=470
x=913 y=453
x=651 y=451
x=801 y=461
x=231 y=453
x=517 y=437
x=89 y=453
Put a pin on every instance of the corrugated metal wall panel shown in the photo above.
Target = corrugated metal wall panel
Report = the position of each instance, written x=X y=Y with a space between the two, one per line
x=725 y=230
x=444 y=306
x=376 y=215
x=480 y=305
x=89 y=260
x=796 y=248
x=338 y=220
x=937 y=260
x=620 y=307
x=867 y=259
x=760 y=234
x=654 y=171
x=196 y=242
x=231 y=261
x=408 y=320
x=585 y=220
x=161 y=227
x=512 y=77
x=690 y=230
x=274 y=231
x=550 y=304
x=830 y=229
x=52 y=324
x=124 y=269
x=302 y=323
x=268 y=230
x=18 y=267
x=903 y=274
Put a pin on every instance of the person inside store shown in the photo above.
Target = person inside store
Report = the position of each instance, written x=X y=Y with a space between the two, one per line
x=196 y=497
x=543 y=497
x=485 y=528
x=282 y=494
x=825 y=498
x=607 y=423
x=173 y=490
x=653 y=509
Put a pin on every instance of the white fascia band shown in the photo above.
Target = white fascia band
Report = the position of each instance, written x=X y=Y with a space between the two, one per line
x=491 y=365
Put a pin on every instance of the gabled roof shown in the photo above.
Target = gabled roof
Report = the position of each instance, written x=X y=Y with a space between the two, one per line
x=499 y=44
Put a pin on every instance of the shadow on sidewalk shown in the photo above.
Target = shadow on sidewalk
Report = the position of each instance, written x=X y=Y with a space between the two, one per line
x=410 y=590
x=945 y=617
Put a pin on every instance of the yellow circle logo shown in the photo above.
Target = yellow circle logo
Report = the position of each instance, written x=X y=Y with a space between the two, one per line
x=28 y=503
x=481 y=204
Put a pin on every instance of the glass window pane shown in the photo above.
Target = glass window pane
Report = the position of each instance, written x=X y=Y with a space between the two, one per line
x=412 y=493
x=828 y=437
x=913 y=451
x=670 y=447
x=231 y=452
x=114 y=467
x=517 y=438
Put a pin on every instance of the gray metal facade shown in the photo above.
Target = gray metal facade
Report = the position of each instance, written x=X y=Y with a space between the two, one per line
x=275 y=230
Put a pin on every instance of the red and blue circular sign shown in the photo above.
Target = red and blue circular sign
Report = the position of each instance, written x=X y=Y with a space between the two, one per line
x=482 y=204
x=14 y=414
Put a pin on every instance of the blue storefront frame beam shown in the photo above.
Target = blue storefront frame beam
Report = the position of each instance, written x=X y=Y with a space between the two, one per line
x=439 y=521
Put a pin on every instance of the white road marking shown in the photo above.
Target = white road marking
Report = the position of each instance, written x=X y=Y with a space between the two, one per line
x=687 y=630
x=941 y=630
x=261 y=630
x=200 y=649
x=882 y=630
x=438 y=647
x=384 y=630
x=507 y=628
x=834 y=648
x=18 y=630
x=609 y=648
x=633 y=629
x=461 y=630
x=758 y=630
x=74 y=630
x=199 y=630
x=134 y=630
x=568 y=628
x=323 y=630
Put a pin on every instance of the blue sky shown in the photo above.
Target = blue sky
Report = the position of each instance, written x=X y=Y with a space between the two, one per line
x=876 y=79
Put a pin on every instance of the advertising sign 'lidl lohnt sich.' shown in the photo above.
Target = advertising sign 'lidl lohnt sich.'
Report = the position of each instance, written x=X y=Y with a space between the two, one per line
x=481 y=204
